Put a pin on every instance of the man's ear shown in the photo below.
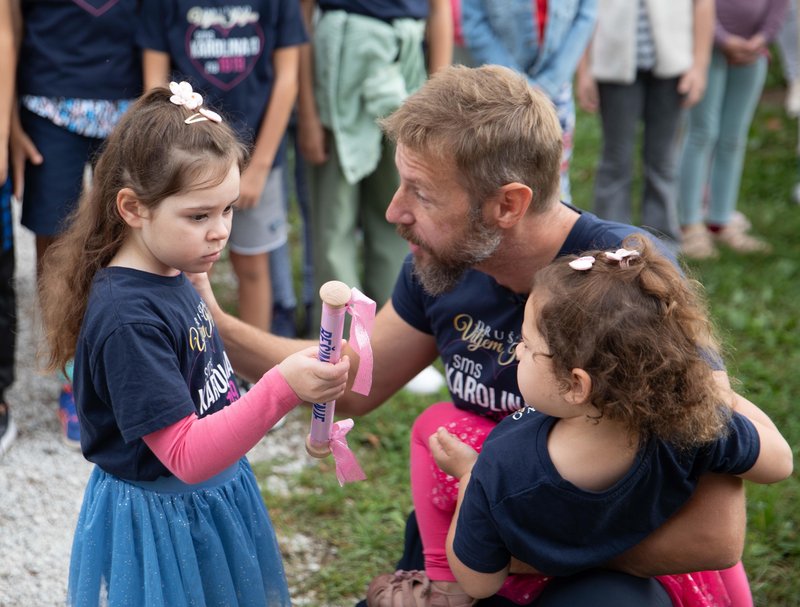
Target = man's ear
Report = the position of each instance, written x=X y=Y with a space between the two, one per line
x=132 y=211
x=580 y=387
x=511 y=203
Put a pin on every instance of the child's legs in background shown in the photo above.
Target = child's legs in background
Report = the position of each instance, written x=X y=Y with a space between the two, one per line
x=8 y=308
x=281 y=264
x=52 y=189
x=303 y=197
x=662 y=115
x=743 y=87
x=435 y=493
x=702 y=131
x=787 y=44
x=256 y=232
x=284 y=301
x=621 y=107
x=334 y=214
x=384 y=250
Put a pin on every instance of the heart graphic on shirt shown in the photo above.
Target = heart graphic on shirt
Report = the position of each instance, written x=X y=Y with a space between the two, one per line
x=225 y=56
x=95 y=8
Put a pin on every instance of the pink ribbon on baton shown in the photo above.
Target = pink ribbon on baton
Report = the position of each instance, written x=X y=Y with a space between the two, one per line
x=348 y=469
x=362 y=311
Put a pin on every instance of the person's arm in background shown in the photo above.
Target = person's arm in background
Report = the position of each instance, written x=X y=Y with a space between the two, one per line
x=285 y=62
x=693 y=83
x=585 y=85
x=8 y=70
x=483 y=44
x=151 y=37
x=759 y=42
x=439 y=35
x=22 y=149
x=561 y=66
x=399 y=351
x=155 y=68
x=311 y=137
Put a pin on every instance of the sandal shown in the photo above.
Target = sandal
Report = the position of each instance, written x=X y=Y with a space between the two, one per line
x=696 y=242
x=413 y=589
x=736 y=238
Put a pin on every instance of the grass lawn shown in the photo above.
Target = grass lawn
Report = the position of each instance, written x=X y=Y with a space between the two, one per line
x=356 y=531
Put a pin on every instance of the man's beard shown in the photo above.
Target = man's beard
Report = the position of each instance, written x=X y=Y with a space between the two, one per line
x=443 y=270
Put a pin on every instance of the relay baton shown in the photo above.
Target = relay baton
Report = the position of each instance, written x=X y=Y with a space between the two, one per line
x=325 y=436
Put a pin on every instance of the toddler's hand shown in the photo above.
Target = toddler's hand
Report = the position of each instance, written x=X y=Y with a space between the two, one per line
x=315 y=381
x=452 y=456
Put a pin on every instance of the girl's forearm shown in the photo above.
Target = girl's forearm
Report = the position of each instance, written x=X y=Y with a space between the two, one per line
x=195 y=449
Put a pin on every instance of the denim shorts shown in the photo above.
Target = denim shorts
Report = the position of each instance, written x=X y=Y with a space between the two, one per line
x=53 y=188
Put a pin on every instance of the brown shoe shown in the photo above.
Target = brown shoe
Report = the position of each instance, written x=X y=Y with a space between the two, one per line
x=413 y=589
x=696 y=242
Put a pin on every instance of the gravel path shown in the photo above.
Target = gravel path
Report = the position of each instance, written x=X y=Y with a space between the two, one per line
x=42 y=480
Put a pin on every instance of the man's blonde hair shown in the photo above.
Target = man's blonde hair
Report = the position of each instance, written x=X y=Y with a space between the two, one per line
x=491 y=124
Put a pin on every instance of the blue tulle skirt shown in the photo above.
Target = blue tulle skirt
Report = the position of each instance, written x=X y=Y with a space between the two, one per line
x=168 y=544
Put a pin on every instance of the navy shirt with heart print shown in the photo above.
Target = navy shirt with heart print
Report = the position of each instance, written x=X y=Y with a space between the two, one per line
x=224 y=49
x=80 y=49
x=385 y=10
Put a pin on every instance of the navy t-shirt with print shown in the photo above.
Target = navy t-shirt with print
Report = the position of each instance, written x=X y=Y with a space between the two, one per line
x=80 y=49
x=385 y=10
x=224 y=49
x=147 y=356
x=477 y=325
x=574 y=529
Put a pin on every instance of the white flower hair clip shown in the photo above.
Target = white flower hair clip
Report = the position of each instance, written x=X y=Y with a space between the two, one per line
x=182 y=94
x=623 y=256
x=582 y=263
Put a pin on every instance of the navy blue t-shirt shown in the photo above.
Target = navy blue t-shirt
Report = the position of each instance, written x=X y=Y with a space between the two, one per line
x=517 y=504
x=224 y=49
x=148 y=355
x=477 y=325
x=80 y=50
x=385 y=10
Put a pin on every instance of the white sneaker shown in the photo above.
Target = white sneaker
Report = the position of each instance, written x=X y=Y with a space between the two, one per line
x=427 y=381
x=8 y=429
x=792 y=102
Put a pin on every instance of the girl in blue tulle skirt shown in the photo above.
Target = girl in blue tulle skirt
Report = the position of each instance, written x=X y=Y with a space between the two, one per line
x=172 y=514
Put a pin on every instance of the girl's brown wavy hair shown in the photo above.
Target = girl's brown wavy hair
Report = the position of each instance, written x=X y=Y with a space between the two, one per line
x=156 y=154
x=641 y=331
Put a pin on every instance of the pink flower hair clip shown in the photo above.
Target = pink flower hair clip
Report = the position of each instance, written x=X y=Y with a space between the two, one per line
x=623 y=256
x=582 y=263
x=182 y=94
